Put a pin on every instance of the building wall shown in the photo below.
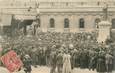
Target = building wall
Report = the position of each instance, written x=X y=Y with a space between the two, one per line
x=88 y=10
x=73 y=23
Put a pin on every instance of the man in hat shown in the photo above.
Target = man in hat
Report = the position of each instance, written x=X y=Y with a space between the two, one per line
x=53 y=59
x=48 y=51
x=109 y=62
x=60 y=61
x=34 y=56
x=27 y=64
x=100 y=62
x=84 y=59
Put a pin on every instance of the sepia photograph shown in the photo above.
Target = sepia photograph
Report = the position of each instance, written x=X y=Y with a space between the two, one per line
x=57 y=36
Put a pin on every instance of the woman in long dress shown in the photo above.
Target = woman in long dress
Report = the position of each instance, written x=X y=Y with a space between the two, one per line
x=66 y=63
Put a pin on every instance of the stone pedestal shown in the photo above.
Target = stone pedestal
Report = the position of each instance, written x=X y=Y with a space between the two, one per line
x=104 y=31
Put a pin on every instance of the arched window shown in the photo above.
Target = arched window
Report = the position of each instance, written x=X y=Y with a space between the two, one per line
x=66 y=23
x=52 y=23
x=81 y=23
x=113 y=23
x=97 y=20
x=98 y=3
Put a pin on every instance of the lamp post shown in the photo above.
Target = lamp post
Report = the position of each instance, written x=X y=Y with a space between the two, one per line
x=37 y=18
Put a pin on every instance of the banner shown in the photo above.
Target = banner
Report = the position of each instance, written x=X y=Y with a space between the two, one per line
x=11 y=61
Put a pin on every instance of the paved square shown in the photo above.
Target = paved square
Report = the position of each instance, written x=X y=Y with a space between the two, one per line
x=43 y=69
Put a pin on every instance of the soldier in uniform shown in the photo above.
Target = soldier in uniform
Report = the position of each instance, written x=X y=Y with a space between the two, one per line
x=73 y=58
x=53 y=59
x=43 y=56
x=48 y=51
x=60 y=61
x=84 y=59
x=34 y=56
x=76 y=56
x=92 y=61
x=39 y=56
x=109 y=62
x=27 y=64
x=114 y=58
x=101 y=67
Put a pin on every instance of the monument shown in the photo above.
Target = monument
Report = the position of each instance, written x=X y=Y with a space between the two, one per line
x=104 y=26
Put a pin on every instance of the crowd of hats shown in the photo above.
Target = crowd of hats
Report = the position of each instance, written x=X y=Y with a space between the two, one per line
x=48 y=39
x=41 y=45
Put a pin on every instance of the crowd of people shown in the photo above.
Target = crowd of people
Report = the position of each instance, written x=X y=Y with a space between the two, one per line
x=64 y=51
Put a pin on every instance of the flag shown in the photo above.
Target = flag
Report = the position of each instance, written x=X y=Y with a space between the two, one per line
x=11 y=61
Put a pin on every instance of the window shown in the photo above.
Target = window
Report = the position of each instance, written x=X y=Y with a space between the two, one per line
x=66 y=23
x=113 y=23
x=98 y=3
x=97 y=22
x=81 y=23
x=52 y=23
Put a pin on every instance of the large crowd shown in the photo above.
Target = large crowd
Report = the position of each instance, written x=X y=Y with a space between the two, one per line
x=49 y=48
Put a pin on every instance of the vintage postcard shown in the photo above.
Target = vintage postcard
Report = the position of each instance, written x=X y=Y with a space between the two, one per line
x=57 y=36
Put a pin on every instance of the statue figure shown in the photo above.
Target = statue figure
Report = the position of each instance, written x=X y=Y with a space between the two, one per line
x=38 y=29
x=30 y=30
x=105 y=10
x=34 y=26
x=104 y=26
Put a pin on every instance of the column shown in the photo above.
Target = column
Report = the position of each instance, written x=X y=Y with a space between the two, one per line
x=89 y=23
x=59 y=23
x=44 y=22
x=76 y=23
x=73 y=23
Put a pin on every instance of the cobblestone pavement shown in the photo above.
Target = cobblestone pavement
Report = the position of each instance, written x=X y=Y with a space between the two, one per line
x=43 y=69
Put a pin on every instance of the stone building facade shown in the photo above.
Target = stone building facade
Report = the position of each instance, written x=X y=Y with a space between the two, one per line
x=61 y=15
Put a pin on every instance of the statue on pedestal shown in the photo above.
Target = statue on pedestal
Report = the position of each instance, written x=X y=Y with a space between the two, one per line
x=104 y=26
